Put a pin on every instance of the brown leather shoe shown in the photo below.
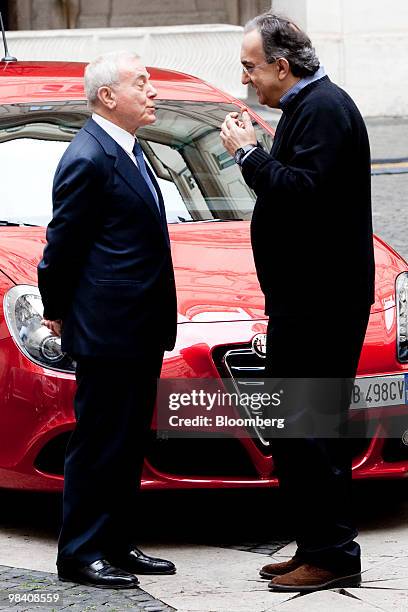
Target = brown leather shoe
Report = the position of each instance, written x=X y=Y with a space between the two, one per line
x=308 y=578
x=278 y=569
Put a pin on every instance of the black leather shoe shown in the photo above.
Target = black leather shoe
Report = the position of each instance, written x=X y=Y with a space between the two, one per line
x=138 y=563
x=99 y=574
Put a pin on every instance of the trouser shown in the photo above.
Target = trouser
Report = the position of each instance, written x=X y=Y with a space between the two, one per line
x=315 y=472
x=114 y=405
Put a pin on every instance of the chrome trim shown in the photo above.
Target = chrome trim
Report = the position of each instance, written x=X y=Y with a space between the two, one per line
x=398 y=281
x=248 y=369
x=239 y=382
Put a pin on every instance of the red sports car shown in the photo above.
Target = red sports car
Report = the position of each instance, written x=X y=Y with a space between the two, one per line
x=221 y=317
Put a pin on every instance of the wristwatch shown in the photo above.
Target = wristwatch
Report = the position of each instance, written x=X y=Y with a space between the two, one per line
x=242 y=151
x=239 y=153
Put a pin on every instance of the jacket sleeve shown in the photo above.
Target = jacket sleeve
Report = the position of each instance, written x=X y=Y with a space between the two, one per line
x=318 y=140
x=69 y=234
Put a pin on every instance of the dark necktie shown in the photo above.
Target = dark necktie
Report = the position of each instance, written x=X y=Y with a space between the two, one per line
x=138 y=153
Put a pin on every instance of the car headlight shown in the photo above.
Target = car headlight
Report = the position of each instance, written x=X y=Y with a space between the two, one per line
x=402 y=317
x=23 y=310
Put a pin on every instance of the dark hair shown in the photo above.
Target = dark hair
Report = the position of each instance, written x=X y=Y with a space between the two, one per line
x=283 y=38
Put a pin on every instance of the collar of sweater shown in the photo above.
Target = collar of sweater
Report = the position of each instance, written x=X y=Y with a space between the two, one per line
x=294 y=102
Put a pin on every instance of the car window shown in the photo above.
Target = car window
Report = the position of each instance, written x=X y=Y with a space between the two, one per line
x=198 y=178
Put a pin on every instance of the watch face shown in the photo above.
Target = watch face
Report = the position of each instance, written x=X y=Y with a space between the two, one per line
x=238 y=155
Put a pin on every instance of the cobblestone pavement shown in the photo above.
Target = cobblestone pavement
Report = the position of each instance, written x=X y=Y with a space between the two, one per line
x=390 y=210
x=72 y=597
x=389 y=140
x=199 y=528
x=267 y=547
x=208 y=534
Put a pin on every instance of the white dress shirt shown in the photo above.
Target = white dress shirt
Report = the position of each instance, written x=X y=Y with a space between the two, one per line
x=119 y=135
x=124 y=140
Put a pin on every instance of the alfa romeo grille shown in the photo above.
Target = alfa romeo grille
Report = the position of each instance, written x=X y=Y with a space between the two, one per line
x=246 y=370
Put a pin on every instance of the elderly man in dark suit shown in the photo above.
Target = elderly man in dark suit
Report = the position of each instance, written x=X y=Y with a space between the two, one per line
x=312 y=242
x=107 y=284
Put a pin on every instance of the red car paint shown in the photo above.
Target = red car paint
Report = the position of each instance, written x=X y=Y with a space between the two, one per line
x=219 y=302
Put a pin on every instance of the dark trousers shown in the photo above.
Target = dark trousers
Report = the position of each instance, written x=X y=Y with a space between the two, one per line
x=315 y=472
x=114 y=405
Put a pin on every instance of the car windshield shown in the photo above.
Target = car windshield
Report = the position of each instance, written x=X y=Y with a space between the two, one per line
x=198 y=178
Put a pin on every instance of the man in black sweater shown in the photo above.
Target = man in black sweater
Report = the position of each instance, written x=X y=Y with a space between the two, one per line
x=312 y=241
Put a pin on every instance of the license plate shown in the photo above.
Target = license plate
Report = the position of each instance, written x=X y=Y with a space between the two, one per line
x=380 y=391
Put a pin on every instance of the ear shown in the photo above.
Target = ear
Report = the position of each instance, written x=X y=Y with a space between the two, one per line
x=283 y=68
x=107 y=97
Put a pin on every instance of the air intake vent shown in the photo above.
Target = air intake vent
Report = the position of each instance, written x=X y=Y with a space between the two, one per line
x=51 y=457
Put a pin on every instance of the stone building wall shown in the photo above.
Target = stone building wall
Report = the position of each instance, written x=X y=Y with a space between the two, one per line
x=61 y=14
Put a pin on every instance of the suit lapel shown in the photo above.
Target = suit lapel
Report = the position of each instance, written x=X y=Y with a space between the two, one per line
x=124 y=166
x=132 y=176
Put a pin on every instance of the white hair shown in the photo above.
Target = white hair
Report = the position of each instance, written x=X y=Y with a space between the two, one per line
x=104 y=71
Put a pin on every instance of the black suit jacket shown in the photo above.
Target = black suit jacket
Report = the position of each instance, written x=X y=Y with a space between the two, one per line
x=107 y=270
x=311 y=227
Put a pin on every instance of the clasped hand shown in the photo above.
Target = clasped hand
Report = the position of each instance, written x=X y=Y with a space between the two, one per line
x=54 y=326
x=236 y=133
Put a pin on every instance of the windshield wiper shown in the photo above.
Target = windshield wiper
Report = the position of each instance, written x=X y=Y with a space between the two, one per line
x=217 y=220
x=15 y=224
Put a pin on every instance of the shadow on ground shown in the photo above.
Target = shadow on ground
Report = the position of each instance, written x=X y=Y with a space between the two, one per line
x=246 y=519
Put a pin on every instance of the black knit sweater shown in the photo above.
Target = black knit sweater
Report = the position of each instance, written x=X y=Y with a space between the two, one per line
x=311 y=229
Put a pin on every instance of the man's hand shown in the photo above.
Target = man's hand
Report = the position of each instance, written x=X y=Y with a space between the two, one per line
x=236 y=133
x=54 y=326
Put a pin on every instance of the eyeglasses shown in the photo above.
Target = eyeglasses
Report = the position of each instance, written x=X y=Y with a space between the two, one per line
x=251 y=69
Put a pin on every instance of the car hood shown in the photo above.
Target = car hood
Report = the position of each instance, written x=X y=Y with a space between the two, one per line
x=215 y=273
